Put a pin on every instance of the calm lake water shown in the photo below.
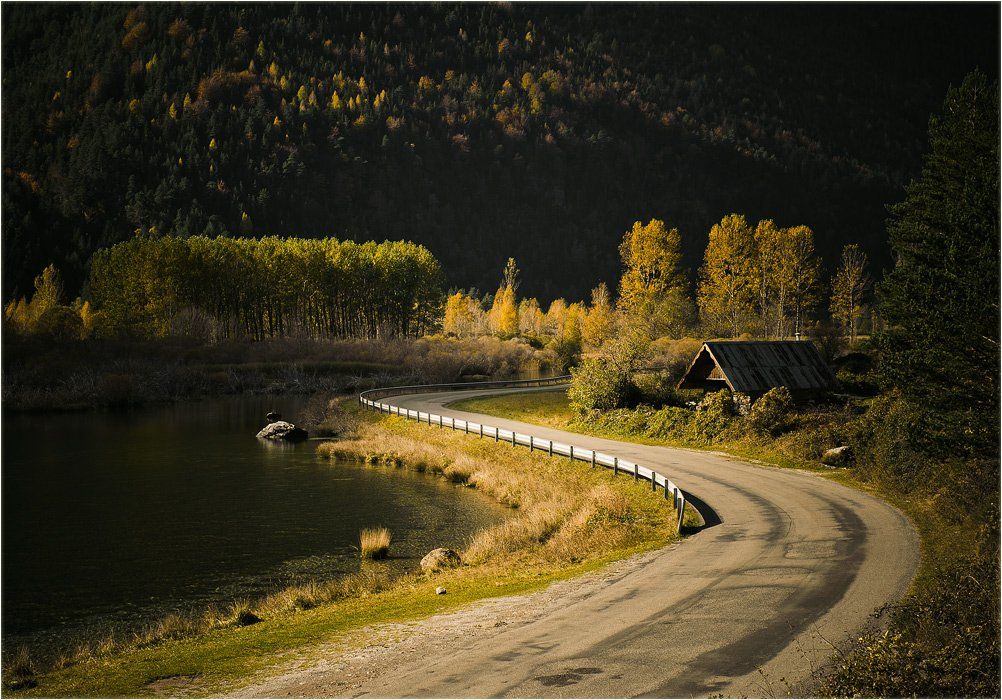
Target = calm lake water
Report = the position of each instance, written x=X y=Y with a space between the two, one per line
x=111 y=519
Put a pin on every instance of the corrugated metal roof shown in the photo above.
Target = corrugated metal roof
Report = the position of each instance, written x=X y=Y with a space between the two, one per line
x=756 y=366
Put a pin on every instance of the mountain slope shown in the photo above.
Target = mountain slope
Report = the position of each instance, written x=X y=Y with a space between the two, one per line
x=481 y=131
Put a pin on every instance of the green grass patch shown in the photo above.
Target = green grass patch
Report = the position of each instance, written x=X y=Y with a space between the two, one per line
x=549 y=408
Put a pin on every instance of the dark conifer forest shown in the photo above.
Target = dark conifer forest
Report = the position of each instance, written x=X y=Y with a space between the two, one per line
x=480 y=131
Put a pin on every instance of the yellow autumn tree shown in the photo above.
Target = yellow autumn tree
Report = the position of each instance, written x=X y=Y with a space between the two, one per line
x=849 y=289
x=555 y=317
x=771 y=270
x=805 y=271
x=504 y=310
x=463 y=315
x=570 y=333
x=599 y=323
x=728 y=284
x=651 y=254
x=531 y=320
x=787 y=272
x=504 y=313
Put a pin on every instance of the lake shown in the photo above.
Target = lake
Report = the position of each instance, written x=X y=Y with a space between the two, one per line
x=113 y=519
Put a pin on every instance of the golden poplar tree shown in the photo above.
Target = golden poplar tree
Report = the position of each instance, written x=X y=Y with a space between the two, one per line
x=504 y=313
x=531 y=320
x=849 y=288
x=571 y=330
x=805 y=269
x=598 y=324
x=555 y=317
x=458 y=319
x=651 y=254
x=728 y=285
x=504 y=310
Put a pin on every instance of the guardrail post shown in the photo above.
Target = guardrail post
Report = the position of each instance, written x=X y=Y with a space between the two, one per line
x=654 y=482
x=440 y=426
x=550 y=450
x=666 y=489
x=466 y=426
x=593 y=459
x=481 y=431
x=495 y=434
x=531 y=445
x=681 y=515
x=615 y=466
x=571 y=455
x=513 y=438
x=636 y=472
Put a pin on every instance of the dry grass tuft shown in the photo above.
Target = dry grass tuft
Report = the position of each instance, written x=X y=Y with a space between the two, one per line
x=241 y=614
x=375 y=542
x=313 y=593
x=531 y=528
x=19 y=671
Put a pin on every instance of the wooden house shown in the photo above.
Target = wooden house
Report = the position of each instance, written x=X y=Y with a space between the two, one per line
x=755 y=367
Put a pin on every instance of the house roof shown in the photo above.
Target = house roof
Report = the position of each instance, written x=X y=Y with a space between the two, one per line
x=754 y=367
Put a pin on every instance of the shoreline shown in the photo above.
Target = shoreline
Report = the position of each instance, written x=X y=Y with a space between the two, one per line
x=487 y=578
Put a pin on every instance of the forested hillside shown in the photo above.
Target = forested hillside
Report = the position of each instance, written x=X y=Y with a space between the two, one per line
x=480 y=131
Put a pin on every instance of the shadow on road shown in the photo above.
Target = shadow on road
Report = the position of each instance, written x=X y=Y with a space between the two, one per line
x=708 y=516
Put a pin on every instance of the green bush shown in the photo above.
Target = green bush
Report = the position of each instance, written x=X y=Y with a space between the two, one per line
x=770 y=414
x=884 y=441
x=598 y=384
x=713 y=416
x=567 y=352
x=59 y=323
x=670 y=423
x=657 y=389
x=943 y=642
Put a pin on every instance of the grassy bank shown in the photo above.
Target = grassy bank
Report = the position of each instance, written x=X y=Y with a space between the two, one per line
x=40 y=374
x=943 y=638
x=566 y=520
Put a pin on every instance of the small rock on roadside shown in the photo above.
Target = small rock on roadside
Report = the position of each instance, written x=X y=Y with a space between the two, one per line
x=440 y=558
x=440 y=591
x=281 y=430
x=837 y=456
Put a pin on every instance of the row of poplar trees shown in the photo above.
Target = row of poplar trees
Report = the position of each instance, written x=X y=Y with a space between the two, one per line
x=268 y=287
x=763 y=280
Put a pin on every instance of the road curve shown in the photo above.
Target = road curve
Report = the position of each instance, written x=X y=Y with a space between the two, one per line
x=789 y=566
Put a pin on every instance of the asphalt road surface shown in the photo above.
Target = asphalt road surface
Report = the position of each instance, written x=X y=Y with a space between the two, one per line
x=789 y=567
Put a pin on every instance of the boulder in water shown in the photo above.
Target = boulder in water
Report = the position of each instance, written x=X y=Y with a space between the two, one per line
x=280 y=430
x=440 y=558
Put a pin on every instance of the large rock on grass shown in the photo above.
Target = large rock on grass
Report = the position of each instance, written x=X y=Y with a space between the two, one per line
x=280 y=430
x=837 y=456
x=440 y=558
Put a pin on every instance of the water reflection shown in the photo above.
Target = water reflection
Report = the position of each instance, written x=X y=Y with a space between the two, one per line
x=113 y=518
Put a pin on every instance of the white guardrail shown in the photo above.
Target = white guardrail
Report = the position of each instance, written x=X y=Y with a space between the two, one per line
x=371 y=398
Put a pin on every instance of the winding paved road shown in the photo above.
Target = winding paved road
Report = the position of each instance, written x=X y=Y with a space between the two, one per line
x=788 y=565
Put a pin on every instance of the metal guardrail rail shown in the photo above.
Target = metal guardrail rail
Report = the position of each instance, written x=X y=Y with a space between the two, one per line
x=371 y=398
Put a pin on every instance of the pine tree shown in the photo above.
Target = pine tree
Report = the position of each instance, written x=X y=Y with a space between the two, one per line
x=941 y=300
